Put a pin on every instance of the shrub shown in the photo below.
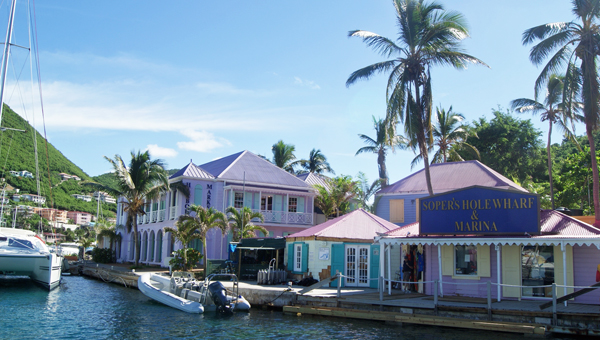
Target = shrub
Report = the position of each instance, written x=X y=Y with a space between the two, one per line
x=178 y=262
x=103 y=255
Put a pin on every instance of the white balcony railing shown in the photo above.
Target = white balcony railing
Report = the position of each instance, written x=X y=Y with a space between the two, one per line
x=153 y=216
x=284 y=217
x=172 y=211
x=161 y=215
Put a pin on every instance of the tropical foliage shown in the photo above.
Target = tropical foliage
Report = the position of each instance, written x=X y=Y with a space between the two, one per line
x=335 y=199
x=427 y=36
x=366 y=191
x=240 y=223
x=316 y=163
x=552 y=110
x=143 y=179
x=283 y=156
x=384 y=142
x=196 y=226
x=570 y=45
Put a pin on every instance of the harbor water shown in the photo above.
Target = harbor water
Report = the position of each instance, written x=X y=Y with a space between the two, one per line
x=83 y=308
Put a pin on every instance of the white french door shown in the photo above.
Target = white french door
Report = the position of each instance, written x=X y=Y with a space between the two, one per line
x=357 y=266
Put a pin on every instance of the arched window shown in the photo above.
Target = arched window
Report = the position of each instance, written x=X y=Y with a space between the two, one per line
x=152 y=245
x=144 y=246
x=159 y=242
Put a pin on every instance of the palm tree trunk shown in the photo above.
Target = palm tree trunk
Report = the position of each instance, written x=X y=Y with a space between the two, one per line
x=382 y=169
x=595 y=179
x=136 y=244
x=205 y=256
x=550 y=164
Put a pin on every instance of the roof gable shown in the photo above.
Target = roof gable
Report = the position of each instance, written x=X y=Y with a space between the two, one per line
x=193 y=171
x=246 y=166
x=358 y=224
x=451 y=176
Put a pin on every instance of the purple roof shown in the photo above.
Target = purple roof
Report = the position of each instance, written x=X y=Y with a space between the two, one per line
x=451 y=176
x=553 y=224
x=255 y=168
x=192 y=170
x=313 y=179
x=357 y=224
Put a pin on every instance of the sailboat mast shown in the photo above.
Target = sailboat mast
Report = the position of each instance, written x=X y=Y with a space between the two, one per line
x=6 y=53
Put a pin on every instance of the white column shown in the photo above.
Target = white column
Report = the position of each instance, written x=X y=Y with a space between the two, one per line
x=440 y=268
x=563 y=248
x=389 y=268
x=498 y=270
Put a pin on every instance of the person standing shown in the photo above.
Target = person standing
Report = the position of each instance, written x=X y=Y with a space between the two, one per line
x=407 y=269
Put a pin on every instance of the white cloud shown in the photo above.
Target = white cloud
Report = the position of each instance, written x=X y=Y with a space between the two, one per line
x=307 y=83
x=201 y=141
x=158 y=151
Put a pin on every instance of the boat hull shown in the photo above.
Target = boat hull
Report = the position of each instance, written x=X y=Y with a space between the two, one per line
x=43 y=269
x=154 y=291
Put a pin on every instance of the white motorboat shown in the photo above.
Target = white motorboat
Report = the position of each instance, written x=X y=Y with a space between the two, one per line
x=23 y=253
x=183 y=292
x=68 y=249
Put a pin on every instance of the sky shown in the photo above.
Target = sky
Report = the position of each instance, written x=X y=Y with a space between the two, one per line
x=200 y=80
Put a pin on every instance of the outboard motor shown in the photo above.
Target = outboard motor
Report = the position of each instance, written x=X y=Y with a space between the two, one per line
x=219 y=297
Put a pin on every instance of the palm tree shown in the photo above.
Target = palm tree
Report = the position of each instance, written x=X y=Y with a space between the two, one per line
x=427 y=36
x=381 y=144
x=336 y=198
x=283 y=156
x=316 y=163
x=109 y=231
x=184 y=233
x=241 y=223
x=143 y=179
x=199 y=225
x=552 y=110
x=450 y=137
x=566 y=43
x=366 y=191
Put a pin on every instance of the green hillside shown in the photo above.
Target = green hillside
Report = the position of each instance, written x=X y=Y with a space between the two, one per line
x=17 y=154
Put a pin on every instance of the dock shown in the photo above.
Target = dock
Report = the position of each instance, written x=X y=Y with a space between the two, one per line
x=364 y=303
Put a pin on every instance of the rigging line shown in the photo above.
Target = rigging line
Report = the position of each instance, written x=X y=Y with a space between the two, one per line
x=32 y=20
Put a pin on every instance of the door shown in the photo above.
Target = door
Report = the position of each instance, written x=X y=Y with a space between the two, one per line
x=357 y=266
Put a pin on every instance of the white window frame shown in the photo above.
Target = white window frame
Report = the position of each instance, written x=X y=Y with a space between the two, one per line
x=298 y=257
x=238 y=200
x=293 y=204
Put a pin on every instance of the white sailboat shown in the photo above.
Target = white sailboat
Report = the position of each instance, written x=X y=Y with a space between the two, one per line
x=23 y=252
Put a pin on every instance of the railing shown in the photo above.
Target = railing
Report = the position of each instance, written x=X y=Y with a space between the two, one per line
x=161 y=215
x=172 y=211
x=153 y=216
x=437 y=284
x=285 y=217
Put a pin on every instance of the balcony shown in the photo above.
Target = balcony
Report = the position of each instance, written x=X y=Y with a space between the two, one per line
x=161 y=215
x=153 y=216
x=285 y=217
x=172 y=211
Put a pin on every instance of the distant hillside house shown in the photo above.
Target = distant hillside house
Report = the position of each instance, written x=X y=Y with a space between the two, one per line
x=22 y=173
x=239 y=180
x=86 y=198
x=79 y=218
x=64 y=177
x=53 y=215
x=54 y=237
x=104 y=197
x=29 y=197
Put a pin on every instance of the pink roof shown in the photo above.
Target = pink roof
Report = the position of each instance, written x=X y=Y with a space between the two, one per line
x=358 y=224
x=553 y=224
x=451 y=176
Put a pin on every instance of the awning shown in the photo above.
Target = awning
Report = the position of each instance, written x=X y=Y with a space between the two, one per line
x=505 y=241
x=261 y=243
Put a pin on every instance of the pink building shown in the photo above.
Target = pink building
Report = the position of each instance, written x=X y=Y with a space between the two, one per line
x=79 y=217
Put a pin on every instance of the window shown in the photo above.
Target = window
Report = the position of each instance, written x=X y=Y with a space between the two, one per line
x=397 y=211
x=298 y=257
x=465 y=260
x=238 y=200
x=537 y=267
x=266 y=203
x=293 y=204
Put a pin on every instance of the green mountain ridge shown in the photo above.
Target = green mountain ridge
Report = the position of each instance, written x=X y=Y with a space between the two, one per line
x=17 y=154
